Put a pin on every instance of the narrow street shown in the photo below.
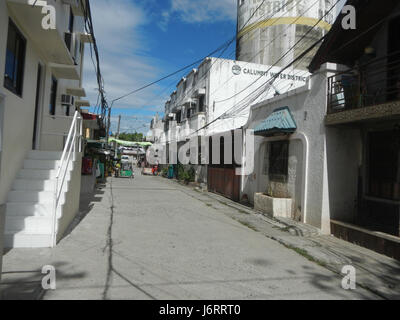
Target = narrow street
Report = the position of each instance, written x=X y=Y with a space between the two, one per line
x=167 y=242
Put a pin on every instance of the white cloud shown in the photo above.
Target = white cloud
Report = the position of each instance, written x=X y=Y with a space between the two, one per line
x=123 y=50
x=198 y=11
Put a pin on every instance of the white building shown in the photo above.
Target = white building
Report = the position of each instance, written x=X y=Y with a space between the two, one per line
x=289 y=176
x=328 y=154
x=216 y=98
x=39 y=94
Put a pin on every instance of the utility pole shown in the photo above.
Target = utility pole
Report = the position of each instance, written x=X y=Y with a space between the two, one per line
x=108 y=126
x=119 y=124
x=117 y=136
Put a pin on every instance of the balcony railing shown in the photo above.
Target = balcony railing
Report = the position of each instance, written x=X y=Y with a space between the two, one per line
x=374 y=83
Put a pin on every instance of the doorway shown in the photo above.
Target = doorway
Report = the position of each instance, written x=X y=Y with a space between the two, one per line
x=380 y=208
x=36 y=119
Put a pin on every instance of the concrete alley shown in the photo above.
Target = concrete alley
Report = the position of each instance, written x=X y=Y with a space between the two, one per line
x=151 y=238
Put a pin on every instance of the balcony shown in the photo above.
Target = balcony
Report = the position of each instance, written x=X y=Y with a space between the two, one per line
x=50 y=43
x=76 y=91
x=65 y=71
x=365 y=93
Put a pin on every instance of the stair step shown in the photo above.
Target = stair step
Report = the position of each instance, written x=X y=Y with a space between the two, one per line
x=33 y=209
x=34 y=184
x=33 y=196
x=27 y=240
x=44 y=155
x=40 y=174
x=41 y=225
x=41 y=164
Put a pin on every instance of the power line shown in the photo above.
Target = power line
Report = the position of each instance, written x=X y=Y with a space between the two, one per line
x=272 y=79
x=216 y=60
x=227 y=43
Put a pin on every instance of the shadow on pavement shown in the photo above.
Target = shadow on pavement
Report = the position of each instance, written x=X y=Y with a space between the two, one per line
x=27 y=285
x=87 y=202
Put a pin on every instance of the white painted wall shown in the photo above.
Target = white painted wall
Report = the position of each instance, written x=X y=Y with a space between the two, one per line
x=315 y=154
x=18 y=112
x=225 y=91
x=71 y=206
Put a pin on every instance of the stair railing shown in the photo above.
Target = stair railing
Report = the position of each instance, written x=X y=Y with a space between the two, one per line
x=73 y=144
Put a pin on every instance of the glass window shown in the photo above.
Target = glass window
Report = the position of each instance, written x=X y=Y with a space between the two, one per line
x=15 y=60
x=278 y=160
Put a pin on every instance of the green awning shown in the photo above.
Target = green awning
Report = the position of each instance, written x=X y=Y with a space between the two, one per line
x=280 y=121
x=130 y=143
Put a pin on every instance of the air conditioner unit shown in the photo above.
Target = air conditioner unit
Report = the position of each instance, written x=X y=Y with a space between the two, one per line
x=67 y=100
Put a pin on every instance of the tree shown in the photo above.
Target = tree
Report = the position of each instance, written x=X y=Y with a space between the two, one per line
x=134 y=137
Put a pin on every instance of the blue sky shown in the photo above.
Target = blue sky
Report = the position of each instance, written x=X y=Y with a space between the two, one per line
x=141 y=41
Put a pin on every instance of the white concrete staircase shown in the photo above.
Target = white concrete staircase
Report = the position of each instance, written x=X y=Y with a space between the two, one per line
x=30 y=203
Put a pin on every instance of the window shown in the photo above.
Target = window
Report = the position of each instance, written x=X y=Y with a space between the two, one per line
x=178 y=117
x=53 y=96
x=278 y=161
x=15 y=60
x=201 y=103
x=71 y=22
x=188 y=112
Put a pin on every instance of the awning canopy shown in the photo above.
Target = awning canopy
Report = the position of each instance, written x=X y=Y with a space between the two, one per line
x=130 y=143
x=278 y=122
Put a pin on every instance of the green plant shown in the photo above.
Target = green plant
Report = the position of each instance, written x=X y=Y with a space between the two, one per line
x=181 y=172
x=164 y=172
x=191 y=175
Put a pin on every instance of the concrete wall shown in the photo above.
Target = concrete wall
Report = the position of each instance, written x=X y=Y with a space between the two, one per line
x=17 y=112
x=71 y=206
x=229 y=91
x=259 y=181
x=308 y=149
x=344 y=158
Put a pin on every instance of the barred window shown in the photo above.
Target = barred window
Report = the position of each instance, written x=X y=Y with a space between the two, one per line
x=278 y=160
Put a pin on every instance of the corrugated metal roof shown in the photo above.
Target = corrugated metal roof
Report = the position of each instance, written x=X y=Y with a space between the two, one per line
x=279 y=121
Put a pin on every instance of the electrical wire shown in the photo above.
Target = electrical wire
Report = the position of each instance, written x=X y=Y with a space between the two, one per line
x=272 y=79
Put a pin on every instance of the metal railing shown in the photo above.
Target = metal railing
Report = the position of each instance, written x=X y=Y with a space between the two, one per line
x=73 y=144
x=373 y=83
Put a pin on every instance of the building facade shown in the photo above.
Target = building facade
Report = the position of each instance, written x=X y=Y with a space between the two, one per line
x=327 y=154
x=41 y=89
x=288 y=176
x=216 y=98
